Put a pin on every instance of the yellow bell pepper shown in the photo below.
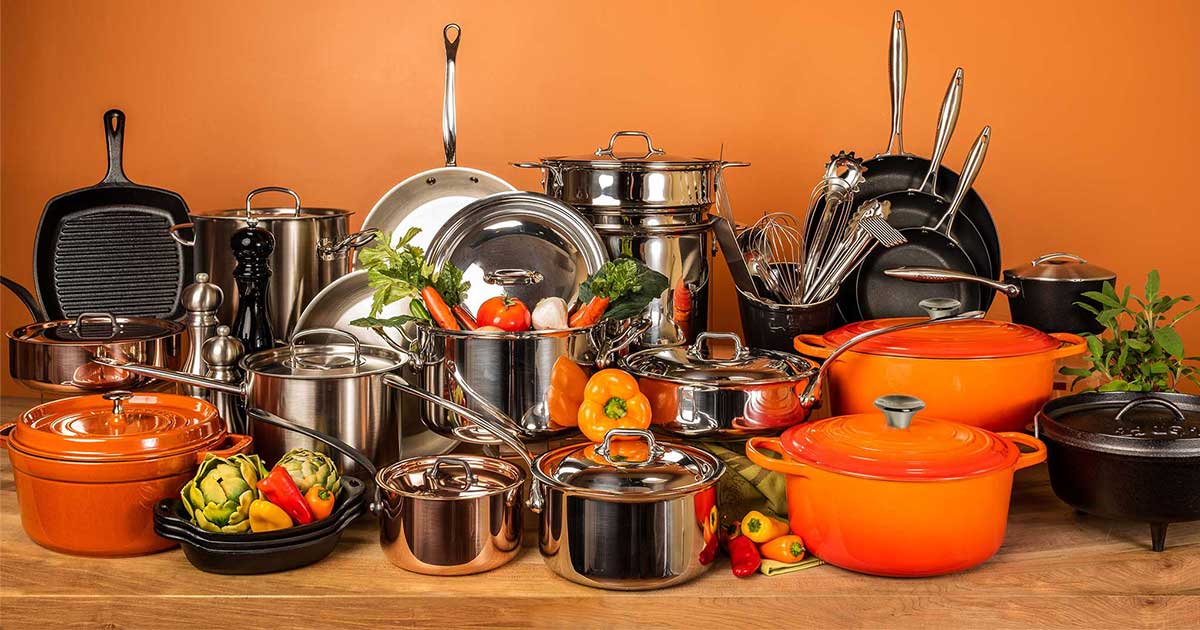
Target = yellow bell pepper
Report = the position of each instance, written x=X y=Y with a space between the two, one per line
x=612 y=400
x=761 y=528
x=267 y=517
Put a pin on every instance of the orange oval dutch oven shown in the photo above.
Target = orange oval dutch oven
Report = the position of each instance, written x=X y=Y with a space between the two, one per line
x=991 y=374
x=897 y=495
x=88 y=470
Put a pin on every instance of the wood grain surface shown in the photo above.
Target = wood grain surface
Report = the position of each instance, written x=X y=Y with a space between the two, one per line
x=1057 y=569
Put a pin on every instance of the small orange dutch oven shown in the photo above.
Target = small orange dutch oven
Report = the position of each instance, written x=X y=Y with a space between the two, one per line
x=897 y=495
x=991 y=374
x=89 y=469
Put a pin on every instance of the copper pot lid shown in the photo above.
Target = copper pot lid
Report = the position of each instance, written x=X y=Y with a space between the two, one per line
x=699 y=364
x=899 y=445
x=450 y=477
x=97 y=328
x=1127 y=423
x=630 y=465
x=1061 y=267
x=117 y=426
x=968 y=339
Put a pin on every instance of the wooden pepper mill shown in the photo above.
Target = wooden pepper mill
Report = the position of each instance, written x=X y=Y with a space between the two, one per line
x=252 y=247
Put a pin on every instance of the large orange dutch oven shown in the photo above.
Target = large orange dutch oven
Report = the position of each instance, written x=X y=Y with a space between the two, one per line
x=896 y=495
x=89 y=469
x=991 y=374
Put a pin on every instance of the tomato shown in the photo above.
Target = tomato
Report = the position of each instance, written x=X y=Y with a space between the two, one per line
x=505 y=313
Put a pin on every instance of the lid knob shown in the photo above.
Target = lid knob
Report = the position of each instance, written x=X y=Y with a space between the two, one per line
x=940 y=307
x=899 y=409
x=118 y=396
x=202 y=296
x=223 y=350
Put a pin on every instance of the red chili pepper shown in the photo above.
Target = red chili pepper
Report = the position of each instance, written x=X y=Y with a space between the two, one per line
x=278 y=488
x=709 y=553
x=743 y=556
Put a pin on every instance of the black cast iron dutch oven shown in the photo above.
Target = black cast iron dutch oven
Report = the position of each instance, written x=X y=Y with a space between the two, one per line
x=1126 y=456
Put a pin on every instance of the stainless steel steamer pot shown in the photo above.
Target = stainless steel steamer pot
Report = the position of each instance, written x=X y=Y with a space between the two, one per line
x=334 y=388
x=313 y=247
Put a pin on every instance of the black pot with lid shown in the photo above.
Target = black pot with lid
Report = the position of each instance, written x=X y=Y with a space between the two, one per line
x=1050 y=286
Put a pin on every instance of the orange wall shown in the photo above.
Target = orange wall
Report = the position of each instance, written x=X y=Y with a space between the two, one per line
x=1092 y=104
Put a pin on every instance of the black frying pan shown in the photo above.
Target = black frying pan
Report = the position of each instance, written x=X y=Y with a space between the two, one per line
x=107 y=248
x=873 y=294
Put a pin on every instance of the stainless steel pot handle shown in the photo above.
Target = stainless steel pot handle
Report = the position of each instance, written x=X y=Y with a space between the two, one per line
x=512 y=277
x=1057 y=256
x=300 y=334
x=433 y=474
x=697 y=348
x=250 y=219
x=1148 y=400
x=552 y=170
x=170 y=375
x=604 y=449
x=947 y=121
x=966 y=180
x=174 y=232
x=262 y=415
x=113 y=327
x=607 y=349
x=934 y=274
x=808 y=397
x=608 y=150
x=898 y=74
x=449 y=107
x=329 y=249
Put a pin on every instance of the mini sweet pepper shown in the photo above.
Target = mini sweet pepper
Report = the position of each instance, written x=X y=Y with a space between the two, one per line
x=279 y=489
x=760 y=528
x=267 y=517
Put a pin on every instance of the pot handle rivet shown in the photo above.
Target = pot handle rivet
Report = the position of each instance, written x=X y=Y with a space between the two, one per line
x=899 y=409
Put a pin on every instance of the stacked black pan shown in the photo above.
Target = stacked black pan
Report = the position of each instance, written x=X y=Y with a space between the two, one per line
x=946 y=223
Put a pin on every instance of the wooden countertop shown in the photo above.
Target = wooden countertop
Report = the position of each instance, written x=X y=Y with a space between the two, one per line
x=1056 y=569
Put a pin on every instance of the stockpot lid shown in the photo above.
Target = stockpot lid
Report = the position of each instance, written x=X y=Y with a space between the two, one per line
x=631 y=466
x=639 y=159
x=450 y=477
x=967 y=339
x=898 y=445
x=1062 y=267
x=252 y=215
x=97 y=328
x=1125 y=423
x=117 y=426
x=697 y=364
x=521 y=244
x=323 y=360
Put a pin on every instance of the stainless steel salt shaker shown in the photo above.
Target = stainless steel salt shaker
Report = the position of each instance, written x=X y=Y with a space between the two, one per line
x=221 y=354
x=201 y=300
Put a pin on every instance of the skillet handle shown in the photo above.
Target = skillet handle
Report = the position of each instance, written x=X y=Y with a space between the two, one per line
x=174 y=232
x=757 y=449
x=812 y=346
x=233 y=444
x=114 y=134
x=898 y=73
x=1025 y=460
x=449 y=108
x=266 y=417
x=1073 y=345
x=23 y=294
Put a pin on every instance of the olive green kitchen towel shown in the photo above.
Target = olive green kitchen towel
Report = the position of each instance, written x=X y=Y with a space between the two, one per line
x=746 y=486
x=774 y=567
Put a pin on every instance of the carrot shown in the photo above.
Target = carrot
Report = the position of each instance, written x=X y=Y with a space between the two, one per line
x=464 y=316
x=441 y=313
x=589 y=313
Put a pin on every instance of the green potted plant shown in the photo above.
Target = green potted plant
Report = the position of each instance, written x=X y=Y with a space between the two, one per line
x=1139 y=351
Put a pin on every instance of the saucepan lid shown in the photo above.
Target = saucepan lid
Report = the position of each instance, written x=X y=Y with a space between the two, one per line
x=699 y=363
x=521 y=244
x=1062 y=267
x=323 y=360
x=97 y=328
x=450 y=477
x=630 y=465
x=1155 y=424
x=898 y=444
x=117 y=426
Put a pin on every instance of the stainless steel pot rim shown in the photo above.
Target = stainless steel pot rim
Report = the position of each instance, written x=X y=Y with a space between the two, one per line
x=386 y=477
x=271 y=214
x=507 y=336
x=565 y=163
x=22 y=333
x=790 y=368
x=708 y=473
x=608 y=229
x=385 y=360
x=775 y=306
x=626 y=497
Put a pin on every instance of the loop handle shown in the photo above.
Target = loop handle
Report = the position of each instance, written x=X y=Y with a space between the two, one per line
x=300 y=334
x=1148 y=400
x=435 y=478
x=650 y=150
x=604 y=449
x=280 y=189
x=511 y=277
x=697 y=348
x=1057 y=256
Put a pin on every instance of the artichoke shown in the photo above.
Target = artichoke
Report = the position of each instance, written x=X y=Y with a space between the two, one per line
x=311 y=468
x=219 y=496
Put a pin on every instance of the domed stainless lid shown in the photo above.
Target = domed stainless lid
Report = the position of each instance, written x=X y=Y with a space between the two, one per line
x=699 y=364
x=1062 y=267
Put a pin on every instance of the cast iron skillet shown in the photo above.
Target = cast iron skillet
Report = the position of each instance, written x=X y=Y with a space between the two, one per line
x=107 y=248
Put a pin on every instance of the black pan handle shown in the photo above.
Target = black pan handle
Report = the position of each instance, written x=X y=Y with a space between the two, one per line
x=259 y=415
x=114 y=132
x=26 y=298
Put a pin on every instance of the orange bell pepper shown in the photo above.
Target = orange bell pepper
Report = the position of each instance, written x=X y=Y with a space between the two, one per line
x=612 y=400
x=567 y=382
x=787 y=549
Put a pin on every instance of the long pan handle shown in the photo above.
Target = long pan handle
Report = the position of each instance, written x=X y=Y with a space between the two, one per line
x=898 y=76
x=947 y=120
x=23 y=294
x=934 y=274
x=114 y=134
x=172 y=375
x=264 y=416
x=449 y=109
x=970 y=170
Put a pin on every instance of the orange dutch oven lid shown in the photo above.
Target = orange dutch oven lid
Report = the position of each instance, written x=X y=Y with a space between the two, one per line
x=968 y=339
x=117 y=426
x=895 y=445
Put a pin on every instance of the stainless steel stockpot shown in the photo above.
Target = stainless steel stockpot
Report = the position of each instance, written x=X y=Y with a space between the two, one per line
x=312 y=249
x=336 y=389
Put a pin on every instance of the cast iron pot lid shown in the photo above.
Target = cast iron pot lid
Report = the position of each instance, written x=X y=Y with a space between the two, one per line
x=1125 y=423
x=740 y=367
x=450 y=477
x=1061 y=267
x=93 y=328
x=521 y=244
x=629 y=466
